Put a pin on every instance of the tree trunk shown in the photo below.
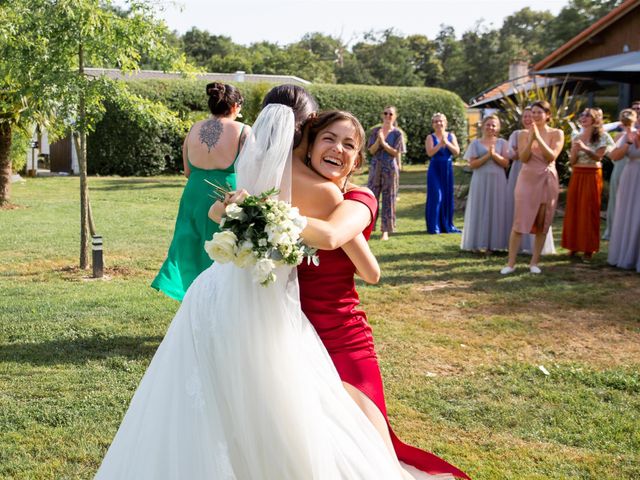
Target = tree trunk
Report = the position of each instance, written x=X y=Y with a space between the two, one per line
x=81 y=146
x=85 y=232
x=5 y=163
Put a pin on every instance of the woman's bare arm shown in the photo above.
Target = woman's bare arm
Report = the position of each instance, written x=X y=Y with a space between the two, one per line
x=360 y=254
x=348 y=220
x=430 y=147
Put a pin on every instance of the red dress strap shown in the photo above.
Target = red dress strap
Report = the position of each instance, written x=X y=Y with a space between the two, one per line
x=365 y=197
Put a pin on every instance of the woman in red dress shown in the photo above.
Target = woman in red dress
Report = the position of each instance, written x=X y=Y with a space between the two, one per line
x=340 y=215
x=328 y=295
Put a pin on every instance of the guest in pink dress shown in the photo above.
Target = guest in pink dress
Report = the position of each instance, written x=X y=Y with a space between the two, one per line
x=537 y=188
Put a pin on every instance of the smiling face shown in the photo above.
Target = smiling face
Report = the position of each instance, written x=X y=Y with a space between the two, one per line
x=539 y=115
x=527 y=118
x=439 y=122
x=389 y=115
x=586 y=118
x=335 y=151
x=490 y=127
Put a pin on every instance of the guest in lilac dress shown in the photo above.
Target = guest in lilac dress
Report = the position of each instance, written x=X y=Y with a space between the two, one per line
x=442 y=147
x=624 y=244
x=627 y=119
x=386 y=145
x=485 y=216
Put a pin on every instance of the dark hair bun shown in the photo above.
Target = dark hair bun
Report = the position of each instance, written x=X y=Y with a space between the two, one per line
x=222 y=98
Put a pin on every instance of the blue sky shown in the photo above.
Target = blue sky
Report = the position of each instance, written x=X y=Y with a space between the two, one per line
x=285 y=22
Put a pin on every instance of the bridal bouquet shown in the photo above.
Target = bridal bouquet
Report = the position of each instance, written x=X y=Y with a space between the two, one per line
x=260 y=233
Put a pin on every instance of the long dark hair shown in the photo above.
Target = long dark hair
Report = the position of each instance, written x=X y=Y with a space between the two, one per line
x=222 y=98
x=302 y=103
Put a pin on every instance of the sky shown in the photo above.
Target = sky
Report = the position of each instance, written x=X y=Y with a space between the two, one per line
x=285 y=22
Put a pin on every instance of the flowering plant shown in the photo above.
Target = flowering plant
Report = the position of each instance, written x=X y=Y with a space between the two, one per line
x=261 y=233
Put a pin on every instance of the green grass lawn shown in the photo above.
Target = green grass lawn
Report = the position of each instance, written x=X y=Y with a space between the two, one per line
x=460 y=346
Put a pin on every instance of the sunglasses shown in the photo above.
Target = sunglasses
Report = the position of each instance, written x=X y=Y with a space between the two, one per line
x=387 y=113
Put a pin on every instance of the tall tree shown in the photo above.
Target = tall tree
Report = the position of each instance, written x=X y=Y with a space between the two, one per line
x=575 y=17
x=388 y=58
x=530 y=28
x=43 y=60
x=425 y=59
x=200 y=46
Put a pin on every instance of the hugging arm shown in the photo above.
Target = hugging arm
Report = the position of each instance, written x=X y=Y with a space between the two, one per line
x=364 y=260
x=346 y=221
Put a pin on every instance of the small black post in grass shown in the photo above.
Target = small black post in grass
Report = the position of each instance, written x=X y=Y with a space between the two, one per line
x=98 y=263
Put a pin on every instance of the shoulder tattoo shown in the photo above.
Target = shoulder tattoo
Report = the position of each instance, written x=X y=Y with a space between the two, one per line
x=210 y=132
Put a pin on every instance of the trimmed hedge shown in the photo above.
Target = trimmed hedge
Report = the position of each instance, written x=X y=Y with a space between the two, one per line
x=127 y=142
x=124 y=145
x=415 y=107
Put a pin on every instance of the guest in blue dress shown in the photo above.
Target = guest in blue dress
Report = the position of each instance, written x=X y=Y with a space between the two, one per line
x=442 y=147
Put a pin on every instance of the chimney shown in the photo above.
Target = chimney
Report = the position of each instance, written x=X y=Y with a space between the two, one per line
x=518 y=70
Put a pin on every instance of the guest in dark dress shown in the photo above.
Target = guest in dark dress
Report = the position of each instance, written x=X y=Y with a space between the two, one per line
x=442 y=147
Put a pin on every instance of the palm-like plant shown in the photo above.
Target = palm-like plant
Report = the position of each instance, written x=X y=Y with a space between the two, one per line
x=565 y=104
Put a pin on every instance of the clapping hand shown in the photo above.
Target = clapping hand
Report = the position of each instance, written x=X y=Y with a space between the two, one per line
x=380 y=137
x=578 y=144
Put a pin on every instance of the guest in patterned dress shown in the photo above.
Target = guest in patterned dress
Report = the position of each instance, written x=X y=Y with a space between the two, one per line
x=442 y=147
x=485 y=216
x=386 y=145
x=581 y=227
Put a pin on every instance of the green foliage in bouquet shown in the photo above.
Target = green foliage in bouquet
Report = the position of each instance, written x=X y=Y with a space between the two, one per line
x=565 y=107
x=261 y=233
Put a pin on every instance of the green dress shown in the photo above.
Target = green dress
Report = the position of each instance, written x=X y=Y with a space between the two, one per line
x=187 y=258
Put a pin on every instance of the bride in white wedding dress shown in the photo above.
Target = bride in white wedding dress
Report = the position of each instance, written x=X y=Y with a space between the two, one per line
x=241 y=387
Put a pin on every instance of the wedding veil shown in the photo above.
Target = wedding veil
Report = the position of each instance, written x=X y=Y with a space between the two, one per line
x=265 y=159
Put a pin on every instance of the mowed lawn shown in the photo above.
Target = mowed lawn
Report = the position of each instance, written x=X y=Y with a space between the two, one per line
x=461 y=347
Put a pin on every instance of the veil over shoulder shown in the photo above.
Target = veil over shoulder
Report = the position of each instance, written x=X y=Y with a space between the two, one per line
x=241 y=387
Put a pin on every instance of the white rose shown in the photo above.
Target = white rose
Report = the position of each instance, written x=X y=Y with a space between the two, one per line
x=222 y=247
x=245 y=257
x=235 y=212
x=274 y=233
x=298 y=220
x=263 y=271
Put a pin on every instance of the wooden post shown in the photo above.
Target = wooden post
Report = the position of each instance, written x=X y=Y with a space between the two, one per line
x=98 y=263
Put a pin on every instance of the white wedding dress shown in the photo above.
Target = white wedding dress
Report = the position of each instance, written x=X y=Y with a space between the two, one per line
x=241 y=387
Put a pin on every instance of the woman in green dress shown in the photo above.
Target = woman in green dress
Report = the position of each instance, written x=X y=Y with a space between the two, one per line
x=209 y=153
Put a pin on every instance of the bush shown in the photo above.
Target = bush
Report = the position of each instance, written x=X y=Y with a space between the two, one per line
x=125 y=144
x=19 y=149
x=130 y=141
x=415 y=107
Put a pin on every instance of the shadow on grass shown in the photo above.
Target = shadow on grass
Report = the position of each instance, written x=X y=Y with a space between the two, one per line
x=80 y=350
x=136 y=184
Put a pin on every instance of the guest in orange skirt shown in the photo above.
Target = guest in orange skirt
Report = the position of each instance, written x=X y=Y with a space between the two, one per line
x=581 y=227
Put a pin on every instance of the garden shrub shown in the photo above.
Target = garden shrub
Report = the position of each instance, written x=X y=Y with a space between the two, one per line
x=126 y=144
x=19 y=148
x=129 y=141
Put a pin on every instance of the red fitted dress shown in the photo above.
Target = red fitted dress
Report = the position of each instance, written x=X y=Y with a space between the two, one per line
x=330 y=301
